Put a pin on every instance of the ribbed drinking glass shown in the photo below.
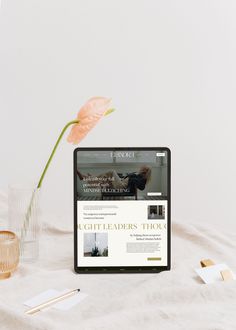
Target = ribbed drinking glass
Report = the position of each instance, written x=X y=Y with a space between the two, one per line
x=9 y=253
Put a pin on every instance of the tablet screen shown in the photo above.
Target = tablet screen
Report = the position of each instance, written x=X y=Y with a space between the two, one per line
x=122 y=208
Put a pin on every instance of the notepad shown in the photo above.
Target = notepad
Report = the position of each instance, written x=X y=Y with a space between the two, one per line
x=63 y=305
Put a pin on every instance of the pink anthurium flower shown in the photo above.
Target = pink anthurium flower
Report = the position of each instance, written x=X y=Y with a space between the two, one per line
x=88 y=116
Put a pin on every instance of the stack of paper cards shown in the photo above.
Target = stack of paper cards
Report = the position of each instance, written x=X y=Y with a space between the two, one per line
x=212 y=274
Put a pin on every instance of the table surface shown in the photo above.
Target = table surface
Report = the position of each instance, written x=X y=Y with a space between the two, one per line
x=175 y=299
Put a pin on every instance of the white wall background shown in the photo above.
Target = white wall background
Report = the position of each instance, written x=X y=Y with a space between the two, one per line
x=168 y=65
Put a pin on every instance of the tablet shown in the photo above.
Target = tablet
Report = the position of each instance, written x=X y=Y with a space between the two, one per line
x=122 y=210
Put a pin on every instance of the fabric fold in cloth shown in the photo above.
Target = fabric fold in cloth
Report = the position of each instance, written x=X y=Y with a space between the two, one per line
x=175 y=299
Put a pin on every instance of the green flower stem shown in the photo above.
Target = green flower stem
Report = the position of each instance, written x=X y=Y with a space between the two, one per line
x=54 y=150
x=29 y=210
x=32 y=200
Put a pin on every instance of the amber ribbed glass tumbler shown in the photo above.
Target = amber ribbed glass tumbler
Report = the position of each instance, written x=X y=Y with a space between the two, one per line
x=9 y=253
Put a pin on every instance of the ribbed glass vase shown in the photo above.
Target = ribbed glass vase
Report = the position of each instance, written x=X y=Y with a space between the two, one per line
x=24 y=220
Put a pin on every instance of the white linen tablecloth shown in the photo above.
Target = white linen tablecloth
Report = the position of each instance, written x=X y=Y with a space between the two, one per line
x=169 y=300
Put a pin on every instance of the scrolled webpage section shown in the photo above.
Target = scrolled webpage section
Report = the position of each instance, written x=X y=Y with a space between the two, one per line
x=122 y=233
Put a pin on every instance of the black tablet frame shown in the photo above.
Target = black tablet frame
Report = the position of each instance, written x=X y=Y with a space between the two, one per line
x=125 y=269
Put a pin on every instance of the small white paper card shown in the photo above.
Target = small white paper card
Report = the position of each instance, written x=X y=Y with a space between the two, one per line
x=68 y=303
x=42 y=297
x=211 y=274
x=63 y=305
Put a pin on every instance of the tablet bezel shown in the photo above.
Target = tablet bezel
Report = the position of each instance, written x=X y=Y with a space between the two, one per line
x=125 y=269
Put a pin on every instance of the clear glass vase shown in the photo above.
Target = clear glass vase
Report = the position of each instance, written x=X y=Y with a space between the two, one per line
x=23 y=211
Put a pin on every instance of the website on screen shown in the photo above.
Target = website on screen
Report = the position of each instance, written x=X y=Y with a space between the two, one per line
x=122 y=208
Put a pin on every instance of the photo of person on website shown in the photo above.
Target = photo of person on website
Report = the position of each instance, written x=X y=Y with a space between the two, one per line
x=107 y=176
